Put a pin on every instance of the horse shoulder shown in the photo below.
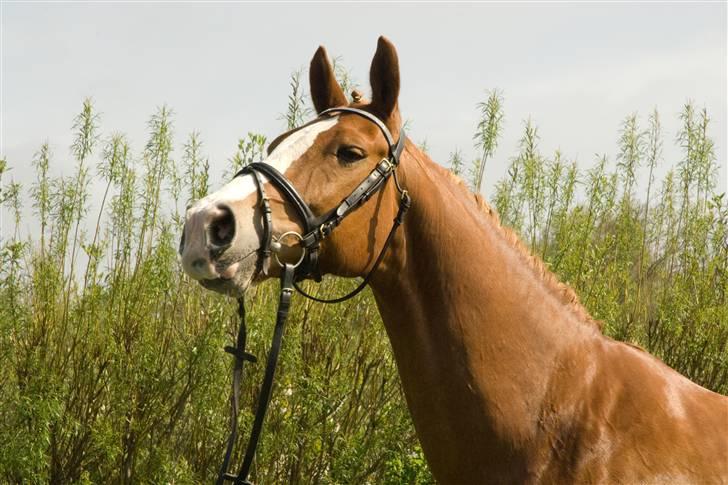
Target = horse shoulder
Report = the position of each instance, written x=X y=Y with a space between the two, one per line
x=657 y=425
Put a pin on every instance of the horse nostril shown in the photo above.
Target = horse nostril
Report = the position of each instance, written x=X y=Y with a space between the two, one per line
x=222 y=227
x=198 y=263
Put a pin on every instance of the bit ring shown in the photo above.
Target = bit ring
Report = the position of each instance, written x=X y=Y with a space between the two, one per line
x=277 y=246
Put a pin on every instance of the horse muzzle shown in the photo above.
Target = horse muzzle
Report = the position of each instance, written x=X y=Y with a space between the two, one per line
x=219 y=245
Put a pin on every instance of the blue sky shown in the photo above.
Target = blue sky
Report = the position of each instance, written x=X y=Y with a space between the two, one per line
x=575 y=69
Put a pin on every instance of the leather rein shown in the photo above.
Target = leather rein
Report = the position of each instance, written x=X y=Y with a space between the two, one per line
x=315 y=229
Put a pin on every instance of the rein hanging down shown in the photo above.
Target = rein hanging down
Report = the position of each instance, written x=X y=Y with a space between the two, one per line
x=315 y=230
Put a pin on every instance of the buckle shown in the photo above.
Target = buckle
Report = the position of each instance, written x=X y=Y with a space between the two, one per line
x=325 y=229
x=386 y=166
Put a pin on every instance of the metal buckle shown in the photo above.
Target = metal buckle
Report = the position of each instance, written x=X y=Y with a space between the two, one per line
x=277 y=246
x=325 y=229
x=388 y=166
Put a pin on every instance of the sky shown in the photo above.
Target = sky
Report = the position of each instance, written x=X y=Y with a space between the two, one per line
x=575 y=69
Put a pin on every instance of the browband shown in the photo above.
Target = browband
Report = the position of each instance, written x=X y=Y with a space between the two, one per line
x=395 y=149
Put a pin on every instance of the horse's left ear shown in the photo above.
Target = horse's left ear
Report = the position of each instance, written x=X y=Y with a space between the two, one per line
x=384 y=79
x=325 y=90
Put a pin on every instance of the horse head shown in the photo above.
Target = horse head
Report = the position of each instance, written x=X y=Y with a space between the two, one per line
x=223 y=244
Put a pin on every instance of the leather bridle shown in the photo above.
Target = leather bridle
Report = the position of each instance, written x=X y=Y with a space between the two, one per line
x=315 y=230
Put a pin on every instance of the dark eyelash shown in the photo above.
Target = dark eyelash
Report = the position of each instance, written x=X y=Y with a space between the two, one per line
x=350 y=154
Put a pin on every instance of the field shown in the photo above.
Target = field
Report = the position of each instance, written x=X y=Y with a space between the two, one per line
x=111 y=361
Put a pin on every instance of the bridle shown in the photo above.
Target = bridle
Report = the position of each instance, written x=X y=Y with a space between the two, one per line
x=315 y=230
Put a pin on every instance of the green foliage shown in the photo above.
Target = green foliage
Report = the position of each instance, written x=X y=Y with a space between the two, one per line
x=297 y=111
x=486 y=136
x=111 y=365
x=343 y=75
x=196 y=167
x=250 y=149
x=456 y=162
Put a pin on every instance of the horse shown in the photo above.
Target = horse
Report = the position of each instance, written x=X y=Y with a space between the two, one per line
x=507 y=377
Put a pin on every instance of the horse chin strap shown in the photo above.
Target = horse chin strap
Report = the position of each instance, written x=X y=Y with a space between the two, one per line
x=316 y=228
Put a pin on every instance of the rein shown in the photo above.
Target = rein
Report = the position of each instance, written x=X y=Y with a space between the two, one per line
x=315 y=229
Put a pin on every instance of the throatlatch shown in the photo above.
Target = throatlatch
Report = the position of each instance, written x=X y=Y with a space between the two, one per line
x=315 y=230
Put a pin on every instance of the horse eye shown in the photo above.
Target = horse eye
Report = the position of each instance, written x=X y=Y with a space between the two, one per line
x=349 y=154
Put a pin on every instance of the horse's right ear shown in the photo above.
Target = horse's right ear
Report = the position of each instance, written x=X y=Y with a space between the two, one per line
x=325 y=90
x=384 y=79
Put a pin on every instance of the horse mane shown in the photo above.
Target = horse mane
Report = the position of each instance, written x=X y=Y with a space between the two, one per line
x=563 y=292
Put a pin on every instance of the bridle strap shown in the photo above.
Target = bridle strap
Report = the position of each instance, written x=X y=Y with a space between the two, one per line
x=289 y=192
x=284 y=305
x=265 y=248
x=404 y=205
x=382 y=127
x=240 y=357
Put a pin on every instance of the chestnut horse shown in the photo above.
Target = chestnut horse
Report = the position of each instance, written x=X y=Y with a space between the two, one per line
x=507 y=377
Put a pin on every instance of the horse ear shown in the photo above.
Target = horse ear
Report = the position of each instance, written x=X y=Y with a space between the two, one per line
x=325 y=90
x=384 y=79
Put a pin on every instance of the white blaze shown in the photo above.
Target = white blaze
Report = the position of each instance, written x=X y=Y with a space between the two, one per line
x=287 y=152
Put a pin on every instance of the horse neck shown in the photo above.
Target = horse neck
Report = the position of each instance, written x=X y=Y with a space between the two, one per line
x=475 y=329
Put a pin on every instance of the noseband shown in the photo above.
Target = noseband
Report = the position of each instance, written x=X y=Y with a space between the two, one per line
x=315 y=230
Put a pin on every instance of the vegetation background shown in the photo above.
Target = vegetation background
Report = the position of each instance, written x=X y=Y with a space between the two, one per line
x=111 y=361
